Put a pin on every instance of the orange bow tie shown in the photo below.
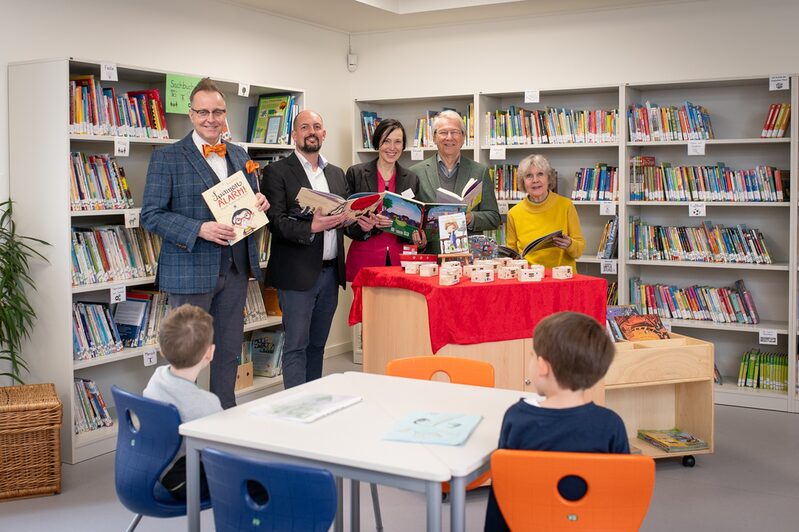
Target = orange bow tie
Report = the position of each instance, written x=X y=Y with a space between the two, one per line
x=219 y=149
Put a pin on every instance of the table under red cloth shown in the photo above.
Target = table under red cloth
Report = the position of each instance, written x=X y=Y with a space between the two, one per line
x=474 y=313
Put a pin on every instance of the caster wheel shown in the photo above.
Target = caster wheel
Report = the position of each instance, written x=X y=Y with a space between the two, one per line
x=688 y=461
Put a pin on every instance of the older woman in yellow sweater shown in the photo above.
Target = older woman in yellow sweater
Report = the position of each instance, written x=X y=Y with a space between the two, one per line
x=542 y=212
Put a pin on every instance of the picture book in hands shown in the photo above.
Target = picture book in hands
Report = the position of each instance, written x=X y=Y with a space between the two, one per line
x=471 y=195
x=357 y=205
x=409 y=215
x=232 y=202
x=546 y=241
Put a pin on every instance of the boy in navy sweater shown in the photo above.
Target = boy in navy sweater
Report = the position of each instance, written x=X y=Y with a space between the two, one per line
x=572 y=352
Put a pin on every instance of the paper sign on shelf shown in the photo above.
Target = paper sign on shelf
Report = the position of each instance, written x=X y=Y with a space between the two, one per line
x=108 y=72
x=132 y=218
x=779 y=82
x=417 y=154
x=696 y=209
x=121 y=146
x=244 y=89
x=150 y=357
x=117 y=294
x=497 y=153
x=532 y=96
x=767 y=336
x=178 y=93
x=696 y=147
x=607 y=208
x=608 y=266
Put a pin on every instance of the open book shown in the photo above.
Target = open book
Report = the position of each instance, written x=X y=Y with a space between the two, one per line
x=539 y=243
x=409 y=215
x=354 y=207
x=305 y=407
x=232 y=202
x=434 y=427
x=471 y=195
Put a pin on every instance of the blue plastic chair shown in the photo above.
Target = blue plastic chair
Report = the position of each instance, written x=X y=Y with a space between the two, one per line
x=299 y=497
x=144 y=451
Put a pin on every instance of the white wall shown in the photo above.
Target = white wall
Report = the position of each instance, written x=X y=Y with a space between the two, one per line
x=691 y=40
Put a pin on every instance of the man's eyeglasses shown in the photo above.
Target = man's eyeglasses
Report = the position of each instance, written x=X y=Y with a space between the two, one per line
x=205 y=113
x=449 y=132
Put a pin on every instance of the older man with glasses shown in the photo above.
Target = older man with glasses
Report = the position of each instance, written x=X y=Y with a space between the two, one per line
x=197 y=265
x=448 y=170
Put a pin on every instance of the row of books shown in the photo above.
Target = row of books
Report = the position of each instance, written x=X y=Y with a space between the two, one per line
x=608 y=247
x=423 y=131
x=598 y=183
x=138 y=318
x=264 y=249
x=705 y=303
x=270 y=122
x=265 y=350
x=515 y=126
x=89 y=410
x=97 y=182
x=705 y=243
x=254 y=309
x=613 y=293
x=95 y=110
x=764 y=371
x=113 y=253
x=369 y=121
x=650 y=122
x=94 y=331
x=506 y=181
x=777 y=120
x=652 y=182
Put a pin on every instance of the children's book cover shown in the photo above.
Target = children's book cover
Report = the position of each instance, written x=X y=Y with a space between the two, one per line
x=672 y=440
x=642 y=327
x=232 y=202
x=357 y=205
x=452 y=234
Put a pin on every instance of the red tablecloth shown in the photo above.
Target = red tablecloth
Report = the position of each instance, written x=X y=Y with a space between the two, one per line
x=473 y=313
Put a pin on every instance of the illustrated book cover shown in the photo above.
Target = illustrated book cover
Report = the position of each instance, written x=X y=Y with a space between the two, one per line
x=618 y=310
x=434 y=427
x=409 y=215
x=672 y=440
x=232 y=202
x=452 y=234
x=305 y=407
x=542 y=242
x=266 y=353
x=354 y=207
x=641 y=327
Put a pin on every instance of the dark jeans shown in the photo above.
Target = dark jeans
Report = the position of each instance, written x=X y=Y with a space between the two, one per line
x=307 y=316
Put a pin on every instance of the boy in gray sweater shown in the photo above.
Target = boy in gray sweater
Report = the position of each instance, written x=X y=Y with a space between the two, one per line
x=186 y=338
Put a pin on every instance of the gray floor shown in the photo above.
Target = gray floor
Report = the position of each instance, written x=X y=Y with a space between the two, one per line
x=750 y=483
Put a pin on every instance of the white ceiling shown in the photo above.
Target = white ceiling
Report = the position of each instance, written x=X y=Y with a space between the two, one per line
x=359 y=16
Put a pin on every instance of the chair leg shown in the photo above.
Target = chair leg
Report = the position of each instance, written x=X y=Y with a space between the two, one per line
x=376 y=505
x=133 y=524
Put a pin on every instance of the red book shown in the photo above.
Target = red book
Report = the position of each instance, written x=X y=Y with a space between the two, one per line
x=768 y=125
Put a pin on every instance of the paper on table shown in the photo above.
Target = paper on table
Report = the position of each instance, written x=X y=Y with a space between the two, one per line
x=434 y=427
x=305 y=407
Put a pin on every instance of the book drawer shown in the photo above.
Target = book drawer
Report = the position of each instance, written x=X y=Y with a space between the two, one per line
x=679 y=358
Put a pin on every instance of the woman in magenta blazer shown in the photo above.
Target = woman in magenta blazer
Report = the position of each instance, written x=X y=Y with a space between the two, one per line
x=378 y=248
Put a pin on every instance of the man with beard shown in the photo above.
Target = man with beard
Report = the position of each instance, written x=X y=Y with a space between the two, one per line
x=306 y=262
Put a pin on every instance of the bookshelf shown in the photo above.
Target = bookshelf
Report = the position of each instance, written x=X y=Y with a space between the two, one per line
x=38 y=118
x=737 y=109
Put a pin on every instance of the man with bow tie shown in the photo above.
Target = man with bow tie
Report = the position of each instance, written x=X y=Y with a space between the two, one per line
x=197 y=266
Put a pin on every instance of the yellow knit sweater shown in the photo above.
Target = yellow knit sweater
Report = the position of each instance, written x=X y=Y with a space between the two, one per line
x=528 y=221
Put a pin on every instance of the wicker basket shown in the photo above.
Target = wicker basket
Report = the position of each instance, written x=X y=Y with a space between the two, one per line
x=30 y=445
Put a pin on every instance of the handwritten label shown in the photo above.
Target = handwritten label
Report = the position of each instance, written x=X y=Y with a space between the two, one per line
x=767 y=336
x=532 y=96
x=121 y=146
x=608 y=267
x=497 y=153
x=178 y=92
x=779 y=82
x=132 y=218
x=696 y=209
x=607 y=208
x=417 y=154
x=244 y=89
x=117 y=294
x=408 y=193
x=503 y=207
x=150 y=357
x=696 y=147
x=108 y=72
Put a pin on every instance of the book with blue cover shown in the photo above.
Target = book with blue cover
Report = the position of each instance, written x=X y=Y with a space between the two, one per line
x=440 y=428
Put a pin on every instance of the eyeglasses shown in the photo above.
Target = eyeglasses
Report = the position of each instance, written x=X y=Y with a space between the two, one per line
x=205 y=113
x=449 y=132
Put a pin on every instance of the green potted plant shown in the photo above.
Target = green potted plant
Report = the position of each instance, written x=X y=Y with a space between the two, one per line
x=16 y=313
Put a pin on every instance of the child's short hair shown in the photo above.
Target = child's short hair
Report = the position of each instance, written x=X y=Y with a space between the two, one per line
x=185 y=335
x=576 y=346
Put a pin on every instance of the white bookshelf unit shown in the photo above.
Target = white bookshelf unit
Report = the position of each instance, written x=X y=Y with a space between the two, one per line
x=39 y=148
x=737 y=109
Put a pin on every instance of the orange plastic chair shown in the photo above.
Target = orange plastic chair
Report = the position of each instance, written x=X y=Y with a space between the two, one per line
x=459 y=371
x=619 y=489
